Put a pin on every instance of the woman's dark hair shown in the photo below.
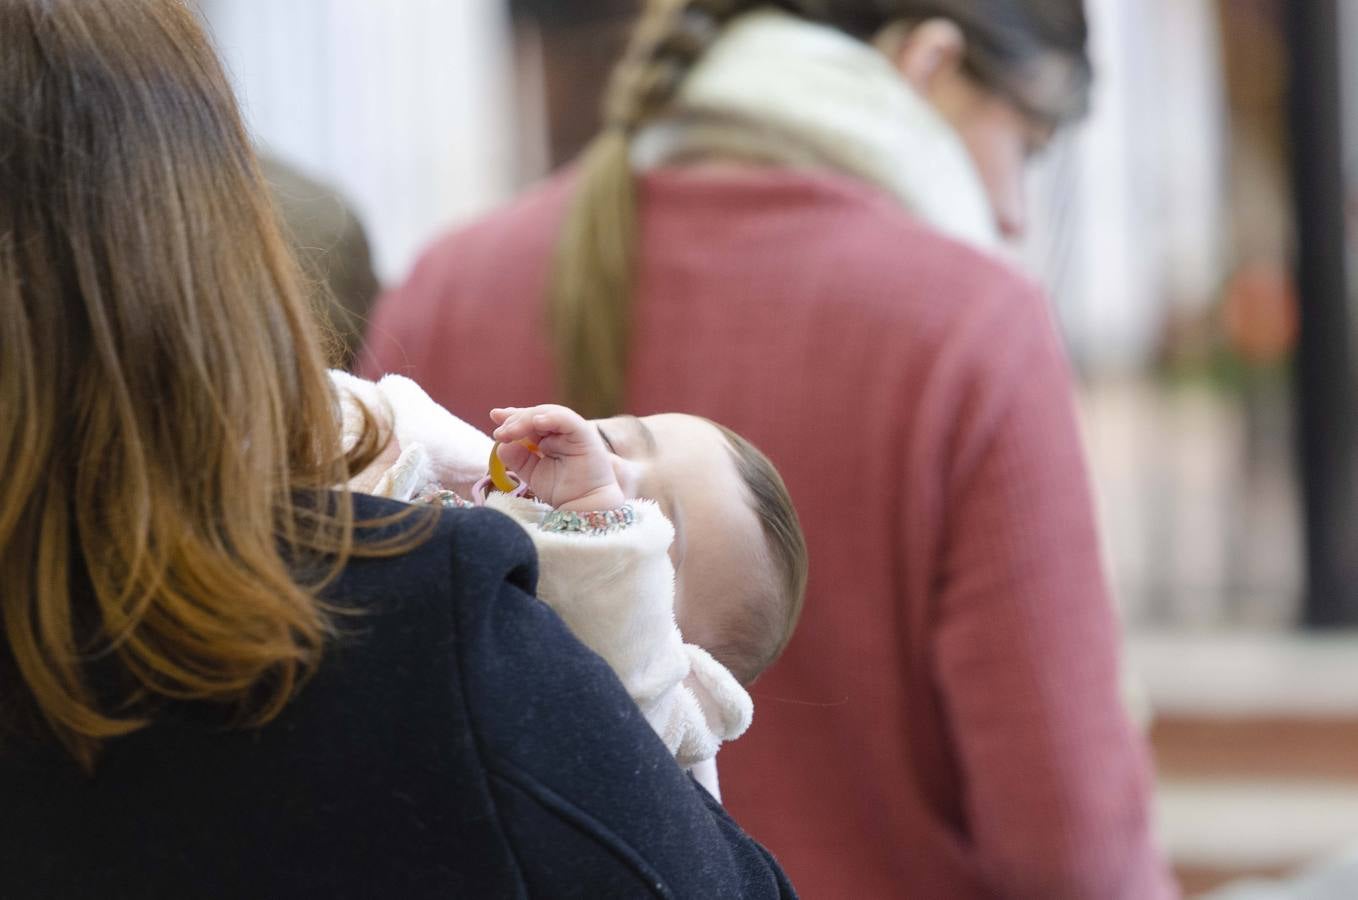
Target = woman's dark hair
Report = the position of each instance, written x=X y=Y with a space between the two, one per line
x=1031 y=51
x=168 y=434
x=559 y=14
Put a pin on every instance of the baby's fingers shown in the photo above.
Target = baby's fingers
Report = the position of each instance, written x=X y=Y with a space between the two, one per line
x=553 y=419
x=513 y=416
x=541 y=420
x=516 y=458
x=515 y=424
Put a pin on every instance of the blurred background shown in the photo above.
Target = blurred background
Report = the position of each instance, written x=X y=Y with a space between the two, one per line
x=1195 y=234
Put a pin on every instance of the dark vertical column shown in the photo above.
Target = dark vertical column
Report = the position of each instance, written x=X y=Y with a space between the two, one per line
x=1326 y=403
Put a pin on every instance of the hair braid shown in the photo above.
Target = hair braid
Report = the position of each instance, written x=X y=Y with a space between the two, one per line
x=590 y=294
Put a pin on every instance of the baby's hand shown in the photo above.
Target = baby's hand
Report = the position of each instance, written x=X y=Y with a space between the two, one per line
x=572 y=471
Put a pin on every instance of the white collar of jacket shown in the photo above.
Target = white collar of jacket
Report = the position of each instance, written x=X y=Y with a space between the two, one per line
x=842 y=102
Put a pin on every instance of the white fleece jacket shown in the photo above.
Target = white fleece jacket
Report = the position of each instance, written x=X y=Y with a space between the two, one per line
x=614 y=591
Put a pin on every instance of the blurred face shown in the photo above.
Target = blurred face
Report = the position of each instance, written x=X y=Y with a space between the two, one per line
x=1000 y=138
x=684 y=464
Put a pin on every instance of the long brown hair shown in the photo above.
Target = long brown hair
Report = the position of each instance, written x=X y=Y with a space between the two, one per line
x=590 y=292
x=167 y=431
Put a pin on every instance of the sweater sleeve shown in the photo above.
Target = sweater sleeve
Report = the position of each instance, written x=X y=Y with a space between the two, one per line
x=616 y=593
x=585 y=793
x=1057 y=782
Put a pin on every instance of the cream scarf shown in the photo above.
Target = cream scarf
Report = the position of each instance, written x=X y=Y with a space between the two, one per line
x=777 y=89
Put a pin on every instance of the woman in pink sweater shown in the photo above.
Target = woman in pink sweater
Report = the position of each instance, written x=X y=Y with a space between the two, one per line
x=787 y=226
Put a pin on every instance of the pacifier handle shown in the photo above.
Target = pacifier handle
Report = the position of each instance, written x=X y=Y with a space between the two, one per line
x=499 y=475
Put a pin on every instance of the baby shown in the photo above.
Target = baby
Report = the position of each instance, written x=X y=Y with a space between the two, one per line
x=688 y=595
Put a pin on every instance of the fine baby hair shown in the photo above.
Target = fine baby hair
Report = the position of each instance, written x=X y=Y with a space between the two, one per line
x=750 y=643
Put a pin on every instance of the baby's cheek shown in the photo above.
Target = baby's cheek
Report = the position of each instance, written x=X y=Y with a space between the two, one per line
x=683 y=614
x=689 y=616
x=627 y=475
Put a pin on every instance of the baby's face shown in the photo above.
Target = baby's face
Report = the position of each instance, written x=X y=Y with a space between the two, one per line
x=684 y=463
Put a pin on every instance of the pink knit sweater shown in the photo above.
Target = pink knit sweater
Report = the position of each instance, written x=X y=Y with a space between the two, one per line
x=946 y=723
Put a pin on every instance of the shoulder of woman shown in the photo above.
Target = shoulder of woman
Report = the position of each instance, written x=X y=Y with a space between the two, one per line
x=891 y=265
x=951 y=304
x=488 y=548
x=468 y=554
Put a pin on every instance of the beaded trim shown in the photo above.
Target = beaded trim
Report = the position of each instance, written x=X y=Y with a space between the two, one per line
x=446 y=499
x=603 y=521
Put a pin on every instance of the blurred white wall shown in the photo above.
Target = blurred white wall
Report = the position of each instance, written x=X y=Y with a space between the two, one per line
x=1348 y=88
x=1129 y=210
x=405 y=106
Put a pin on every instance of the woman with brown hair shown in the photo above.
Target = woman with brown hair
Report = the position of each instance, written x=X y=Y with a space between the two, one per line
x=787 y=225
x=219 y=675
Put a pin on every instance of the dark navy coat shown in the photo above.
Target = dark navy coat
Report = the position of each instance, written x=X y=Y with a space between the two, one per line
x=457 y=742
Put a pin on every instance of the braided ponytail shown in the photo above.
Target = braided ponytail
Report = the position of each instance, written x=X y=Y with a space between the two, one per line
x=590 y=294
